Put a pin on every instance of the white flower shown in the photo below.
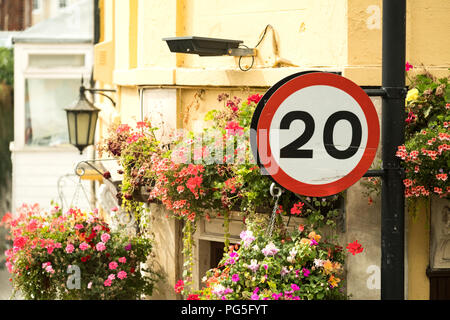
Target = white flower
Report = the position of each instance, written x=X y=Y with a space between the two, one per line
x=284 y=271
x=318 y=262
x=247 y=237
x=253 y=265
x=270 y=250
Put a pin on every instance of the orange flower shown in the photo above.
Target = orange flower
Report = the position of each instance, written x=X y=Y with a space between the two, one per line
x=313 y=235
x=305 y=241
x=333 y=281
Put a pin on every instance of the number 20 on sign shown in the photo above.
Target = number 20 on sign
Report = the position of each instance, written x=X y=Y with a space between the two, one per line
x=315 y=134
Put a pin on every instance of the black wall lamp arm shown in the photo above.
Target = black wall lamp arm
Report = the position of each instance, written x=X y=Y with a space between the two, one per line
x=100 y=92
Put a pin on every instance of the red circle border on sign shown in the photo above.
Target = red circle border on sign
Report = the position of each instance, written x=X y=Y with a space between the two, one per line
x=363 y=100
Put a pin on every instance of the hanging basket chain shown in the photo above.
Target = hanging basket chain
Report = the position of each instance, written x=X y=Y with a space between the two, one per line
x=275 y=192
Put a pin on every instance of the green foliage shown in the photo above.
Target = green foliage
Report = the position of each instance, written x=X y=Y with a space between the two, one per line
x=7 y=66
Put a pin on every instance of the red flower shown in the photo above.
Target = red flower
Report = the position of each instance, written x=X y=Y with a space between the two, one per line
x=254 y=98
x=132 y=270
x=179 y=286
x=354 y=247
x=6 y=218
x=141 y=124
x=106 y=175
x=193 y=297
x=20 y=242
x=297 y=208
x=194 y=182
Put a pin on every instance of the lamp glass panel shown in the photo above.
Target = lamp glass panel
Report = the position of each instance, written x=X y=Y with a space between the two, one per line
x=83 y=119
x=71 y=123
x=92 y=130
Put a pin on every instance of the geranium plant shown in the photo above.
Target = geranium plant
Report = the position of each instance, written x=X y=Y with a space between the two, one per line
x=427 y=140
x=207 y=174
x=424 y=155
x=75 y=255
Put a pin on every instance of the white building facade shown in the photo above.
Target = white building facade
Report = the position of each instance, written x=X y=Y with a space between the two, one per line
x=50 y=58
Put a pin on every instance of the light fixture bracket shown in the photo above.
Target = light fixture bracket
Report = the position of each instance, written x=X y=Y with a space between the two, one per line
x=208 y=46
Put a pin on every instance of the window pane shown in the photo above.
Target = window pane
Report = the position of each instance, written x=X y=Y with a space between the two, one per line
x=55 y=60
x=45 y=100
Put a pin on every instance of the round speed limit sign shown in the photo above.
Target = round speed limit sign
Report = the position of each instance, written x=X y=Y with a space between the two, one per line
x=315 y=134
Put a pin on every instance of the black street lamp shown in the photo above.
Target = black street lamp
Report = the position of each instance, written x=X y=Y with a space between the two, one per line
x=82 y=118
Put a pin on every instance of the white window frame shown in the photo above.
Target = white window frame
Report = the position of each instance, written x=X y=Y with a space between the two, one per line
x=39 y=6
x=23 y=72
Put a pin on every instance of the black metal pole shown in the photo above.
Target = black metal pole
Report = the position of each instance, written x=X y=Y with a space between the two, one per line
x=393 y=204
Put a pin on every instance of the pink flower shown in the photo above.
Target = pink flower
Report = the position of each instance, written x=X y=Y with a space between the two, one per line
x=107 y=283
x=49 y=269
x=113 y=265
x=233 y=128
x=89 y=285
x=295 y=287
x=235 y=277
x=105 y=237
x=123 y=128
x=306 y=272
x=50 y=249
x=20 y=242
x=408 y=66
x=255 y=295
x=123 y=260
x=100 y=246
x=122 y=275
x=83 y=246
x=69 y=248
x=79 y=226
x=111 y=277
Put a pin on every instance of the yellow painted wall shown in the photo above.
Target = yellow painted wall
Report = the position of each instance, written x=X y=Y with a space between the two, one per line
x=418 y=251
x=427 y=27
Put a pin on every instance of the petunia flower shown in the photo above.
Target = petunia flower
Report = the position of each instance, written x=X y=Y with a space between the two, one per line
x=270 y=249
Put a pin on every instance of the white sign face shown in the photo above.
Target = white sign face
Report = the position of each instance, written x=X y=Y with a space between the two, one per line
x=317 y=134
x=317 y=166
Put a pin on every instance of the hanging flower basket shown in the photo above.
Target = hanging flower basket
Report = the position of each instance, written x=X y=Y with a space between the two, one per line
x=75 y=255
